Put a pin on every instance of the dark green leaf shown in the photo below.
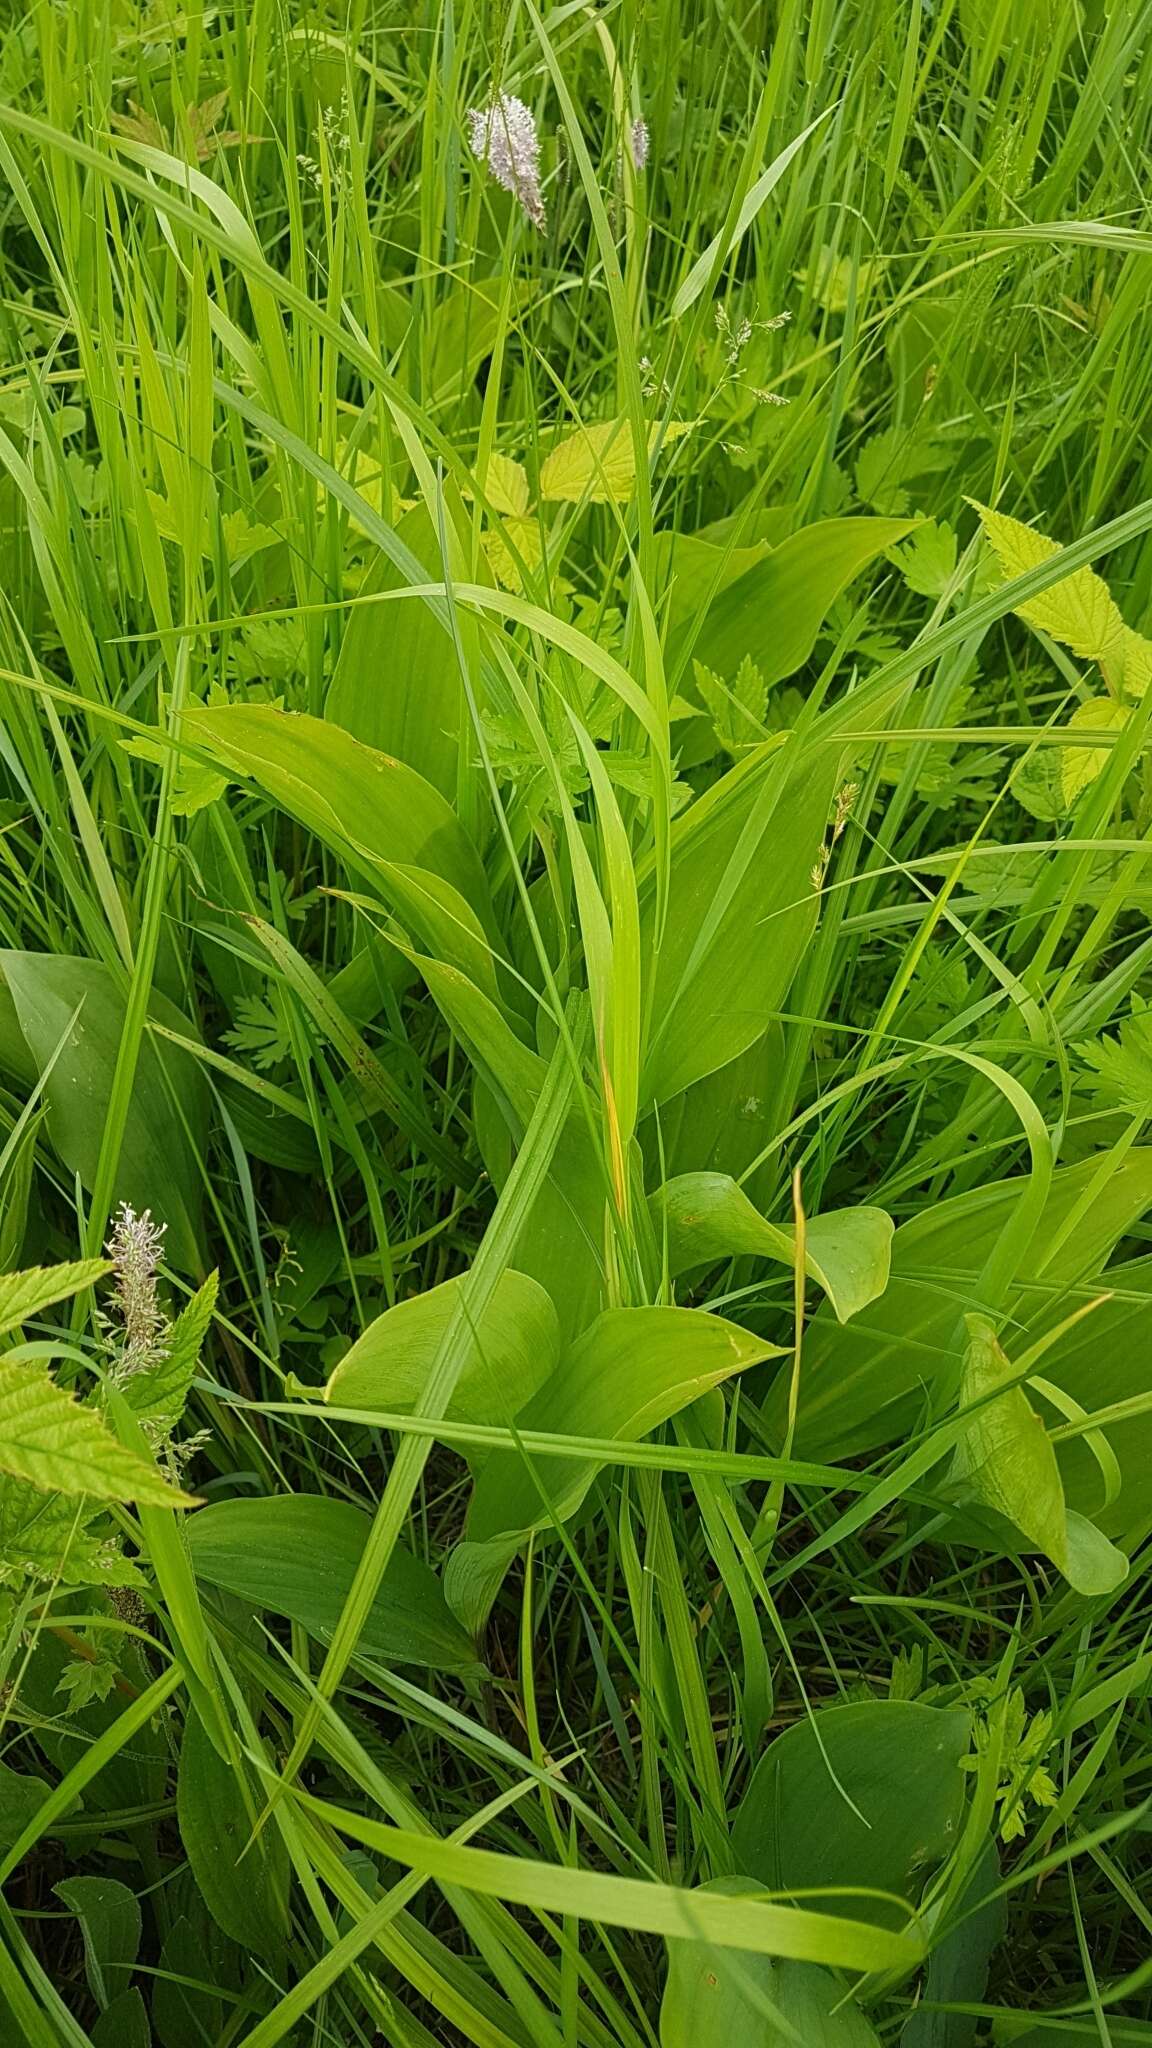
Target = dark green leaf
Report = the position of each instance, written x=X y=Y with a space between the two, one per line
x=297 y=1555
x=242 y=1876
x=109 y=1916
x=166 y=1126
x=866 y=1797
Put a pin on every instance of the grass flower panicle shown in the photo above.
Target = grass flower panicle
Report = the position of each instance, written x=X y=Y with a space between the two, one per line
x=136 y=1248
x=503 y=137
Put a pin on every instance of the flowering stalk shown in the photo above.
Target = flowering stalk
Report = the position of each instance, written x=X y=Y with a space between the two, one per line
x=503 y=138
x=136 y=1248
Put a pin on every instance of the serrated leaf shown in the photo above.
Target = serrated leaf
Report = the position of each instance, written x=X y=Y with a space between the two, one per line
x=927 y=560
x=881 y=474
x=58 y=1536
x=1135 y=664
x=1080 y=766
x=737 y=708
x=498 y=541
x=47 y=1438
x=23 y=1295
x=195 y=786
x=829 y=279
x=1122 y=1075
x=1038 y=784
x=159 y=1395
x=506 y=486
x=597 y=464
x=1079 y=611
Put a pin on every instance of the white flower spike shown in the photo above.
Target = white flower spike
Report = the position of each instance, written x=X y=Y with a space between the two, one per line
x=638 y=143
x=503 y=138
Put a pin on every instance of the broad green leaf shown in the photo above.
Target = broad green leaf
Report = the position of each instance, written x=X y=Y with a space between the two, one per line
x=27 y=1294
x=1099 y=1362
x=707 y=1217
x=159 y=1393
x=110 y=1922
x=958 y=1966
x=560 y=1244
x=897 y=1762
x=696 y=568
x=1079 y=611
x=165 y=1133
x=732 y=1998
x=506 y=486
x=123 y=2023
x=1005 y=1461
x=296 y=1554
x=1006 y=1464
x=514 y=1350
x=397 y=684
x=631 y=1371
x=866 y=1383
x=597 y=464
x=1080 y=766
x=242 y=1876
x=774 y=612
x=48 y=1439
x=185 y=2014
x=742 y=908
x=371 y=809
x=21 y=1797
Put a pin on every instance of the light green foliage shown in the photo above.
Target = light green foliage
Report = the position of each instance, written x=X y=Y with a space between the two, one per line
x=1121 y=1067
x=737 y=708
x=713 y=1998
x=927 y=559
x=1022 y=1743
x=575 y=807
x=48 y=1439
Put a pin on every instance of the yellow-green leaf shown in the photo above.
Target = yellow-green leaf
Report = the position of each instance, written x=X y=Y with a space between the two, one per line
x=1079 y=611
x=597 y=464
x=47 y=1438
x=1135 y=664
x=506 y=486
x=1080 y=766
x=25 y=1294
x=524 y=536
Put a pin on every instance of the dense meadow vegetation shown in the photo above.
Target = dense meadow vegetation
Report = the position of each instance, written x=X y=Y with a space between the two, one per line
x=575 y=1185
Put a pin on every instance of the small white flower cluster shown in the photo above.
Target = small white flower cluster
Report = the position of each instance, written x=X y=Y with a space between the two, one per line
x=136 y=1248
x=503 y=137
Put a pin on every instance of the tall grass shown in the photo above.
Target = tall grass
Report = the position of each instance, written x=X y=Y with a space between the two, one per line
x=556 y=844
